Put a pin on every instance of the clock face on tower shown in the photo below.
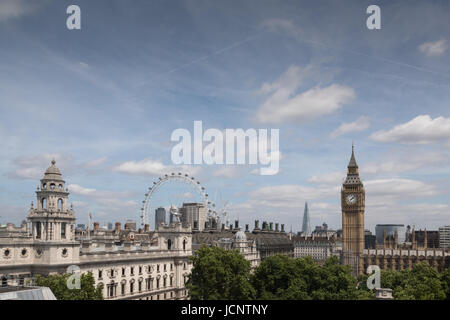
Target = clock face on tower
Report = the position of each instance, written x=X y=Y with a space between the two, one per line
x=351 y=199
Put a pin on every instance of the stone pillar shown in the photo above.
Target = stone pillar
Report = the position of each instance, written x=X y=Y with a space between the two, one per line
x=127 y=245
x=109 y=244
x=145 y=245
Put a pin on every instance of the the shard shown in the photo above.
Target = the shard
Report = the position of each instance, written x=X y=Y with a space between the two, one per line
x=306 y=228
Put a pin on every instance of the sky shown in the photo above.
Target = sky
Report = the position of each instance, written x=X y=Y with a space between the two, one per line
x=104 y=100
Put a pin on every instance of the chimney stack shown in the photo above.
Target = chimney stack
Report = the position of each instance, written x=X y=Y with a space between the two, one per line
x=96 y=226
x=246 y=228
x=236 y=224
x=256 y=224
x=117 y=227
x=282 y=227
x=276 y=227
x=271 y=226
x=146 y=227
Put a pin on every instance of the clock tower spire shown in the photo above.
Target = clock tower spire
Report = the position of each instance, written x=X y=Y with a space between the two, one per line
x=353 y=206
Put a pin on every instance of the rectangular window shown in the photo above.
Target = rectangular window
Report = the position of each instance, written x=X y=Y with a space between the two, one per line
x=131 y=287
x=132 y=270
x=63 y=230
x=140 y=286
x=123 y=289
x=99 y=274
x=38 y=230
x=123 y=271
x=140 y=270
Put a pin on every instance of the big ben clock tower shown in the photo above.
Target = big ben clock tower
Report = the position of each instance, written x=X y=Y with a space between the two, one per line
x=353 y=204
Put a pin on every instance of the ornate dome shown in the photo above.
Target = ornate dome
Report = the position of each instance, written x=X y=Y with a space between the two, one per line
x=240 y=236
x=52 y=172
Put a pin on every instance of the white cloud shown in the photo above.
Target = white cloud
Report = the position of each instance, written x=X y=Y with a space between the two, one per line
x=33 y=167
x=227 y=172
x=152 y=168
x=285 y=105
x=420 y=130
x=95 y=162
x=436 y=48
x=391 y=191
x=405 y=163
x=360 y=124
x=77 y=189
x=16 y=8
x=336 y=177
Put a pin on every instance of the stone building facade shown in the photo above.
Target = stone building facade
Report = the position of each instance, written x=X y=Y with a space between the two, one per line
x=129 y=264
x=318 y=248
x=264 y=242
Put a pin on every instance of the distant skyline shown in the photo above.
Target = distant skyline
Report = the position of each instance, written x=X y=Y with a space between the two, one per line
x=104 y=100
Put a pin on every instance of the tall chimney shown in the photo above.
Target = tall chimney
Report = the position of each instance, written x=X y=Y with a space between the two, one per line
x=425 y=239
x=282 y=227
x=276 y=227
x=146 y=227
x=236 y=224
x=117 y=227
x=271 y=226
x=246 y=228
x=96 y=226
x=256 y=224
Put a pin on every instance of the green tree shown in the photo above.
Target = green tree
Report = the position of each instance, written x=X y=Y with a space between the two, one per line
x=421 y=283
x=58 y=285
x=281 y=277
x=219 y=274
x=445 y=281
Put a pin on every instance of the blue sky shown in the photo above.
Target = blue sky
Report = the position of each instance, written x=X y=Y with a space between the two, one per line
x=108 y=96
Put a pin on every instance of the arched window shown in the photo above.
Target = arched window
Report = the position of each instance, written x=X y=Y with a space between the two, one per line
x=52 y=186
x=44 y=203
x=184 y=245
x=60 y=204
x=169 y=244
